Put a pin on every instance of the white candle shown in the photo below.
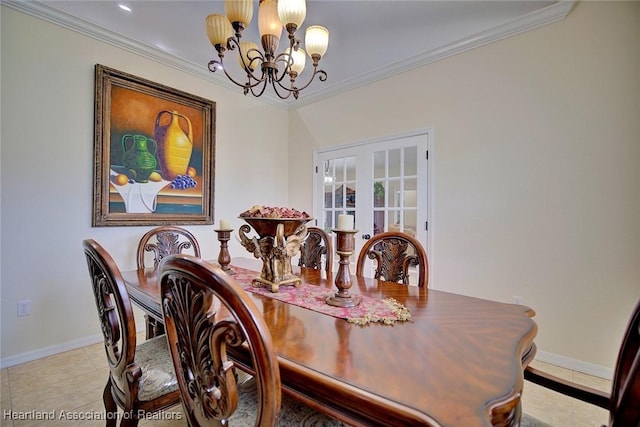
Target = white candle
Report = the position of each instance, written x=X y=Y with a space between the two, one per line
x=345 y=222
x=225 y=224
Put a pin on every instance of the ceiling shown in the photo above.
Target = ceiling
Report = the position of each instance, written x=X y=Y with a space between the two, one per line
x=369 y=39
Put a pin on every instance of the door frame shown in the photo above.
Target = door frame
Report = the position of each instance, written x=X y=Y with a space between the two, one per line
x=428 y=132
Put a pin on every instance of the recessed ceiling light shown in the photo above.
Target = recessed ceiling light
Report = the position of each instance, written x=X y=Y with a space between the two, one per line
x=124 y=7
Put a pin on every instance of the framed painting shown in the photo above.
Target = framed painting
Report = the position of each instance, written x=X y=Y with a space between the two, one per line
x=154 y=153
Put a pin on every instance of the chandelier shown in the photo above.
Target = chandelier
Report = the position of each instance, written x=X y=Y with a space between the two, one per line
x=265 y=67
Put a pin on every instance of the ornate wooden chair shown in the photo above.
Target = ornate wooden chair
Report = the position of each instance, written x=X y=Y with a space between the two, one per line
x=315 y=246
x=163 y=241
x=141 y=378
x=394 y=252
x=198 y=342
x=623 y=403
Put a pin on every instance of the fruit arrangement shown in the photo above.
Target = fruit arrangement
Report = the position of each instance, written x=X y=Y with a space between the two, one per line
x=182 y=182
x=259 y=211
x=155 y=177
x=121 y=179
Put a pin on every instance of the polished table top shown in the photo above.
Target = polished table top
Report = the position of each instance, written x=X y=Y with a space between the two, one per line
x=459 y=362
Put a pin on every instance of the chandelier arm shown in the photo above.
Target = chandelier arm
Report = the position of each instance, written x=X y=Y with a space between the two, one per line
x=291 y=88
x=212 y=65
x=248 y=86
x=263 y=78
x=288 y=63
x=257 y=94
x=221 y=63
x=322 y=76
x=234 y=42
x=256 y=60
x=288 y=91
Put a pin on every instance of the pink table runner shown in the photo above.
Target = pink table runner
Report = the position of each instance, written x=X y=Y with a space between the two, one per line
x=387 y=311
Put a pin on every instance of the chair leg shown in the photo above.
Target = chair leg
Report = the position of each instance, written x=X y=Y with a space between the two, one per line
x=110 y=405
x=154 y=328
x=159 y=329
x=129 y=421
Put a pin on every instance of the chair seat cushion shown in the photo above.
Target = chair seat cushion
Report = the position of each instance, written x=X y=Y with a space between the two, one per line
x=158 y=376
x=292 y=413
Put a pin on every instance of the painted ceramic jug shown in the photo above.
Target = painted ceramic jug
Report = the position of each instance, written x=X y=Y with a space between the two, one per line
x=137 y=158
x=174 y=145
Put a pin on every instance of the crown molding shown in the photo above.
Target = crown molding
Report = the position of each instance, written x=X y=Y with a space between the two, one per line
x=49 y=14
x=550 y=14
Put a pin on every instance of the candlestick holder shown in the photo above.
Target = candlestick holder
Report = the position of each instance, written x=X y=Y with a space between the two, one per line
x=345 y=245
x=224 y=259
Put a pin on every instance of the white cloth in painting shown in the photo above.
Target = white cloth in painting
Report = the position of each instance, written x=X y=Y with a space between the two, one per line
x=139 y=197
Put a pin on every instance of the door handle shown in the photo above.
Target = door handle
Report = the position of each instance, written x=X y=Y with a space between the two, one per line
x=366 y=236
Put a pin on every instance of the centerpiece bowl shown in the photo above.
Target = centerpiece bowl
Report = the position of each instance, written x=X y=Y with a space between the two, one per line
x=278 y=240
x=269 y=226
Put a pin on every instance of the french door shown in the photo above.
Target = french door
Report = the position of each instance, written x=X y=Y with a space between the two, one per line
x=383 y=183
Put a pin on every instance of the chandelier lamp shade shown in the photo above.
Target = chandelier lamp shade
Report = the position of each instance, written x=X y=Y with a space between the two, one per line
x=264 y=67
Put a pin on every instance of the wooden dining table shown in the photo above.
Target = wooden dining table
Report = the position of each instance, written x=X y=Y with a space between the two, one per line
x=458 y=361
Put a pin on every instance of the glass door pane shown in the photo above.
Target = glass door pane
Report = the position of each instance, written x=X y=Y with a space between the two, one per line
x=339 y=190
x=395 y=190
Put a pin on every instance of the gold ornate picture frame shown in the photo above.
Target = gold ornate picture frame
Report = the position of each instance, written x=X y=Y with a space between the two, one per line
x=154 y=153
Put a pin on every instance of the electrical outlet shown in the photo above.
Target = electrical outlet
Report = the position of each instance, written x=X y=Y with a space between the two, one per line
x=517 y=300
x=24 y=308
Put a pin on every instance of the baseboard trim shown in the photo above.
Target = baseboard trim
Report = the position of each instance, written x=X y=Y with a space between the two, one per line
x=29 y=356
x=575 y=364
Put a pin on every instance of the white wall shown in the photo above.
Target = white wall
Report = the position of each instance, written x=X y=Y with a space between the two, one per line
x=537 y=170
x=47 y=171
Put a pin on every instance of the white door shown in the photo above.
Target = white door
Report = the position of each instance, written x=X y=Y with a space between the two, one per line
x=335 y=191
x=384 y=183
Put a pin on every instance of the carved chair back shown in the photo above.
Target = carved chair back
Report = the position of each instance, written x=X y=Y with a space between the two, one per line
x=198 y=342
x=315 y=247
x=129 y=386
x=394 y=252
x=163 y=241
x=623 y=403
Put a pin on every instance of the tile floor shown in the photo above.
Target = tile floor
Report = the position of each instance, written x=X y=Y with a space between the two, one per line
x=73 y=382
